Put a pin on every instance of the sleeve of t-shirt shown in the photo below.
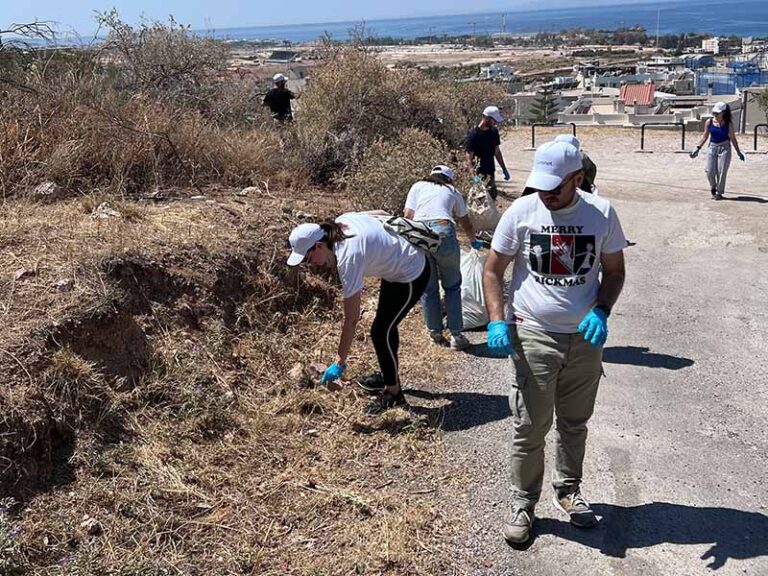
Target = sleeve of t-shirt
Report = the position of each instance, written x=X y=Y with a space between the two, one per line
x=505 y=240
x=459 y=207
x=291 y=95
x=268 y=98
x=410 y=200
x=497 y=138
x=351 y=275
x=614 y=239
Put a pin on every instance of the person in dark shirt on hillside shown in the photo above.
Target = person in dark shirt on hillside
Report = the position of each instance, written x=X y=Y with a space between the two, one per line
x=278 y=99
x=482 y=146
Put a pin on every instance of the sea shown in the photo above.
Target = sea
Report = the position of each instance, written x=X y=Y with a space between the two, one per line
x=720 y=18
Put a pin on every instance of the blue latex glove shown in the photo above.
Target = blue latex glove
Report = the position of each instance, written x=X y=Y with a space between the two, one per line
x=476 y=179
x=595 y=327
x=476 y=244
x=498 y=337
x=741 y=157
x=694 y=152
x=506 y=174
x=333 y=372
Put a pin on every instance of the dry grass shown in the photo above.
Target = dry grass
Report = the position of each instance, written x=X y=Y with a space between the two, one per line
x=168 y=438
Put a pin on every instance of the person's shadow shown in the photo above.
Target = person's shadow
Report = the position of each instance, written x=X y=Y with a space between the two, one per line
x=743 y=198
x=642 y=356
x=732 y=533
x=463 y=410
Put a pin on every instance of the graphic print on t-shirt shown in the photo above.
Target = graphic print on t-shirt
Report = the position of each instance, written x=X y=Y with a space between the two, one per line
x=562 y=254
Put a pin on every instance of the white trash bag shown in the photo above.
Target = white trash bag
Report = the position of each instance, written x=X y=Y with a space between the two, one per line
x=473 y=310
x=482 y=209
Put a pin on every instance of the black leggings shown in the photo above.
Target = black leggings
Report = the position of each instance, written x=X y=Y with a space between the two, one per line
x=395 y=300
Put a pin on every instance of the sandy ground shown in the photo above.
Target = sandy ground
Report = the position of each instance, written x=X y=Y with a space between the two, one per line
x=678 y=446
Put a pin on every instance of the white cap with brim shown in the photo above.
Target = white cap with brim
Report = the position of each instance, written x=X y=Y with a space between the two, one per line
x=569 y=139
x=552 y=162
x=493 y=112
x=302 y=239
x=279 y=78
x=443 y=170
x=719 y=107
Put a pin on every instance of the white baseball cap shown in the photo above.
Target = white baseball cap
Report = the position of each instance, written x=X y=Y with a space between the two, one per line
x=444 y=170
x=279 y=78
x=552 y=162
x=569 y=139
x=719 y=107
x=493 y=112
x=302 y=239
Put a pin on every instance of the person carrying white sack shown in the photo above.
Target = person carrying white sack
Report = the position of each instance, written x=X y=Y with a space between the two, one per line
x=435 y=202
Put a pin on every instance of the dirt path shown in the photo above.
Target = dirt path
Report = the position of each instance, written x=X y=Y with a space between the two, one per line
x=678 y=446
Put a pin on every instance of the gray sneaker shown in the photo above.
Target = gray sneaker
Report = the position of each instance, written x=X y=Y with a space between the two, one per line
x=459 y=342
x=577 y=509
x=518 y=530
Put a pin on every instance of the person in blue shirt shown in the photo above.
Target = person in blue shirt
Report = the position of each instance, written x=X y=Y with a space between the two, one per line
x=482 y=147
x=721 y=134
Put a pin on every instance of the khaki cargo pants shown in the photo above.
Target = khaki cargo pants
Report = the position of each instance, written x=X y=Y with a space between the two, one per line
x=554 y=373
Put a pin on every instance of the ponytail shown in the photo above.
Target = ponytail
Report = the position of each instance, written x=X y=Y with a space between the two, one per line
x=334 y=233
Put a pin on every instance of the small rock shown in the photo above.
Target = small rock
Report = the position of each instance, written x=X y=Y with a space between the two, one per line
x=91 y=526
x=315 y=372
x=103 y=210
x=23 y=273
x=64 y=285
x=312 y=432
x=301 y=215
x=333 y=386
x=249 y=190
x=48 y=191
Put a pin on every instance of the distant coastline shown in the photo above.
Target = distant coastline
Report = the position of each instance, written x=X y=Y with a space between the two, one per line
x=747 y=18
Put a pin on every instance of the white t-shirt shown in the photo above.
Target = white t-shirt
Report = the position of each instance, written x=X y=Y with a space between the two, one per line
x=430 y=201
x=373 y=251
x=555 y=278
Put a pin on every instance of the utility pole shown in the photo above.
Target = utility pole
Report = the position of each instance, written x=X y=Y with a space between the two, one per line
x=503 y=22
x=658 y=17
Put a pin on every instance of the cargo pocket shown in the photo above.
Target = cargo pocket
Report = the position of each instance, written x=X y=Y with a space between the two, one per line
x=516 y=400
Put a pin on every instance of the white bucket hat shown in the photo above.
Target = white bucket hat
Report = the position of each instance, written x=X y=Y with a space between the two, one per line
x=279 y=78
x=302 y=239
x=552 y=162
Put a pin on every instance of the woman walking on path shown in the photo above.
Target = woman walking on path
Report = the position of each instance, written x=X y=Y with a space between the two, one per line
x=357 y=245
x=720 y=132
x=435 y=202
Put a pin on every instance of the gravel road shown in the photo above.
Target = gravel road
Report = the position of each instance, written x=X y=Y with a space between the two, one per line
x=678 y=445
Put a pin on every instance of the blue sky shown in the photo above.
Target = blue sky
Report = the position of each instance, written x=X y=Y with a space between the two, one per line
x=77 y=15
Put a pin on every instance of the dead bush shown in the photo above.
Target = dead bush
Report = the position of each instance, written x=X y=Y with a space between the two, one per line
x=388 y=168
x=163 y=57
x=354 y=100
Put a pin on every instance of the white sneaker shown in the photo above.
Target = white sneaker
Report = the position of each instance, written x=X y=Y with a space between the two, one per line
x=459 y=342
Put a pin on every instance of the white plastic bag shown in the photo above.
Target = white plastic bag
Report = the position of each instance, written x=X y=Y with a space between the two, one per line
x=473 y=310
x=482 y=209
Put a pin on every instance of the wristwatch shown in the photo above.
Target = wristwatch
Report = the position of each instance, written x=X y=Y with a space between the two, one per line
x=606 y=309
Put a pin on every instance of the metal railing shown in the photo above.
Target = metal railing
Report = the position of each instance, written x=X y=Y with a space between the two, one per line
x=642 y=132
x=533 y=130
x=754 y=140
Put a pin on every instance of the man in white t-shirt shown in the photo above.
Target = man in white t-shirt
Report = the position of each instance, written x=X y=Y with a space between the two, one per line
x=568 y=271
